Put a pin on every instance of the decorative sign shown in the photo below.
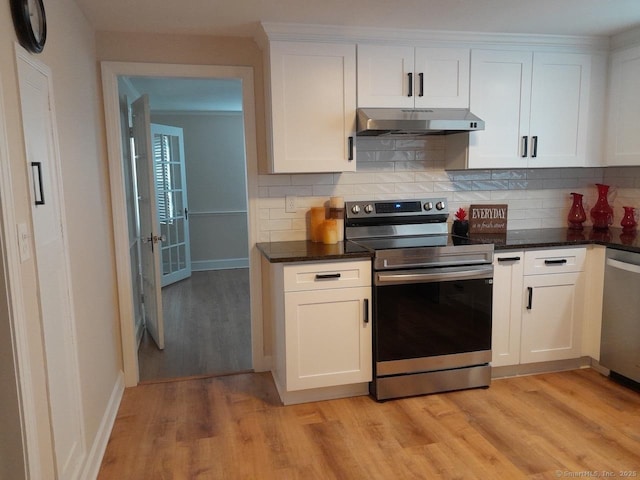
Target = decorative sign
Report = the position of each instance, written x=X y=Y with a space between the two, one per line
x=488 y=218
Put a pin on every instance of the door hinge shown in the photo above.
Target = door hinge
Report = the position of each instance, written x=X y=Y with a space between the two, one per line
x=142 y=298
x=131 y=132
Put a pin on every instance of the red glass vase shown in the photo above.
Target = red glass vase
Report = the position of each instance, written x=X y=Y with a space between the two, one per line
x=628 y=222
x=602 y=213
x=577 y=214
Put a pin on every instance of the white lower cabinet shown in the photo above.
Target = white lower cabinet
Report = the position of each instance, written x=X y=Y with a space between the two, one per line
x=539 y=298
x=508 y=271
x=328 y=337
x=552 y=317
x=321 y=314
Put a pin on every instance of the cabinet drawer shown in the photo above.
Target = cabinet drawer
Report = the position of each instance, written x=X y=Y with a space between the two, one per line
x=561 y=260
x=322 y=276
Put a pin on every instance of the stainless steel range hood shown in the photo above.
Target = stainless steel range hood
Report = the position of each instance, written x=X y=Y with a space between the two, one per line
x=415 y=122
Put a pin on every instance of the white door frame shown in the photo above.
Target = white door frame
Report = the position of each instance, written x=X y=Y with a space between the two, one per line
x=15 y=309
x=110 y=73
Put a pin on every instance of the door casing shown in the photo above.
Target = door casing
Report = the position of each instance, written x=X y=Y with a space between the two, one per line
x=110 y=73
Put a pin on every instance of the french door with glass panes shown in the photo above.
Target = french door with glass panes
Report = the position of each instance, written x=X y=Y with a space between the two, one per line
x=171 y=202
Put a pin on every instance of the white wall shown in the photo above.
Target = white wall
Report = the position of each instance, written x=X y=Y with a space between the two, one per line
x=71 y=56
x=216 y=187
x=408 y=168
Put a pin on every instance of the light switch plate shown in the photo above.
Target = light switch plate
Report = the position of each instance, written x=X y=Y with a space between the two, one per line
x=23 y=242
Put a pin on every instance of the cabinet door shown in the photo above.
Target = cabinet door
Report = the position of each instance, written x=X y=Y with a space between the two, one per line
x=508 y=269
x=313 y=107
x=500 y=94
x=559 y=110
x=552 y=317
x=444 y=73
x=328 y=337
x=383 y=76
x=623 y=140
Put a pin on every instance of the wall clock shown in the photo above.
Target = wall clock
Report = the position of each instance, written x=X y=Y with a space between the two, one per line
x=30 y=23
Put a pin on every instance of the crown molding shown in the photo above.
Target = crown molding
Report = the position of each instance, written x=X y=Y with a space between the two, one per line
x=629 y=38
x=347 y=34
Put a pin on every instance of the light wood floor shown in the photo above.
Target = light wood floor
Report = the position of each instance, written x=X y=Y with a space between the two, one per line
x=554 y=425
x=207 y=323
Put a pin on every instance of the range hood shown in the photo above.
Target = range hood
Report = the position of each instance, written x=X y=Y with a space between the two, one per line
x=414 y=122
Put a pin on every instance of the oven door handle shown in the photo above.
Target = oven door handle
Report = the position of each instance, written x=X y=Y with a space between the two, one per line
x=433 y=275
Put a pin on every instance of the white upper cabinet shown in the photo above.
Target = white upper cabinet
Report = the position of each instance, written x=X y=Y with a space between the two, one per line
x=313 y=107
x=623 y=134
x=408 y=77
x=535 y=107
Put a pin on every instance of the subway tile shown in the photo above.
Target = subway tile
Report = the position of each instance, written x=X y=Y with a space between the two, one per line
x=368 y=167
x=414 y=187
x=432 y=175
x=349 y=178
x=288 y=236
x=312 y=179
x=508 y=194
x=268 y=202
x=411 y=143
x=281 y=214
x=551 y=183
x=374 y=144
x=396 y=177
x=468 y=175
x=272 y=180
x=410 y=166
x=524 y=224
x=290 y=190
x=275 y=225
x=508 y=174
x=373 y=188
x=490 y=184
x=476 y=196
x=332 y=190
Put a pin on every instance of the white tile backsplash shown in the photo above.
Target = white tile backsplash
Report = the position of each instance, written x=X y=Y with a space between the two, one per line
x=390 y=168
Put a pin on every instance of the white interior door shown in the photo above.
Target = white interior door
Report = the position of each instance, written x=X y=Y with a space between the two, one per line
x=149 y=229
x=171 y=203
x=133 y=222
x=51 y=257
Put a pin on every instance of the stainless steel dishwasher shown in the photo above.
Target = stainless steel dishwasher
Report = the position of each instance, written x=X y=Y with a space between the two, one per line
x=620 y=341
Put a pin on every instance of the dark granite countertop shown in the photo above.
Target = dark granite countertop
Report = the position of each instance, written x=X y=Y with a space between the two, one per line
x=305 y=251
x=560 y=237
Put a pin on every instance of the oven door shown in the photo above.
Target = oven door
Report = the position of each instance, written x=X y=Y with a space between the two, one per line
x=432 y=319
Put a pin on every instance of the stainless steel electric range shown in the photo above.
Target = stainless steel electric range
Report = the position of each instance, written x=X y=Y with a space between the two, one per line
x=432 y=298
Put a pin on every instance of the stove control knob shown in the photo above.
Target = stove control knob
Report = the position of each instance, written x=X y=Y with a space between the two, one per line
x=428 y=206
x=368 y=208
x=440 y=205
x=355 y=209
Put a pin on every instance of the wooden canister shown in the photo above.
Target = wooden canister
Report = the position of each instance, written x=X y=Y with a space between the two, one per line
x=329 y=232
x=336 y=212
x=316 y=220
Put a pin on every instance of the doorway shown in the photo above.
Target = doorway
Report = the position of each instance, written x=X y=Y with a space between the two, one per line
x=196 y=163
x=254 y=341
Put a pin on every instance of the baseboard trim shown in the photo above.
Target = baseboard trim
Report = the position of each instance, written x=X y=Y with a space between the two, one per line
x=225 y=264
x=540 y=367
x=96 y=454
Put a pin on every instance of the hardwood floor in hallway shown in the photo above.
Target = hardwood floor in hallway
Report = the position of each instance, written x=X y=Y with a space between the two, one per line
x=207 y=323
x=555 y=425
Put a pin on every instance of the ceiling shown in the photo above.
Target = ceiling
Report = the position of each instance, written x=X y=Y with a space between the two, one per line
x=241 y=18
